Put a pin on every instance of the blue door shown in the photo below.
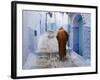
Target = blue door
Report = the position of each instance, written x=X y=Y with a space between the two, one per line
x=76 y=39
x=78 y=34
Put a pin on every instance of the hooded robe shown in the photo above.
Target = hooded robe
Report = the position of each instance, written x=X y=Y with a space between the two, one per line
x=62 y=38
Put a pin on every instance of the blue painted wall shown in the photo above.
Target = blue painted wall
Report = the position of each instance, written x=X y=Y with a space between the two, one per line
x=87 y=42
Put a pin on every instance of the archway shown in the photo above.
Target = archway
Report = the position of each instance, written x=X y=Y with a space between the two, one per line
x=77 y=34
